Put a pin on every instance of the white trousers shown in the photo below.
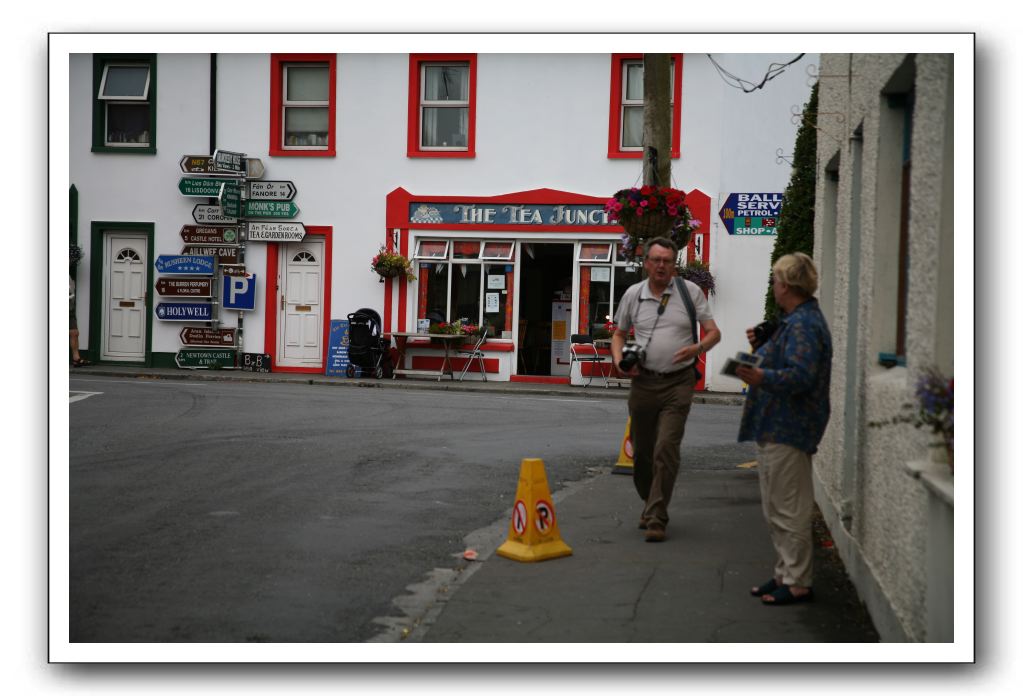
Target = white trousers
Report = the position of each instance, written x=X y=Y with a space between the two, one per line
x=786 y=492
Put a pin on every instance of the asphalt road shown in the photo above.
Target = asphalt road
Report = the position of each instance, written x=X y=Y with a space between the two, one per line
x=234 y=512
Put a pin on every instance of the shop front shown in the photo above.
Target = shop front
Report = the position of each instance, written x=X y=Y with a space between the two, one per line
x=532 y=268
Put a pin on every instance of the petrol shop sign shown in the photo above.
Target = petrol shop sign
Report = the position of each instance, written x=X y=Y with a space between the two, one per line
x=752 y=214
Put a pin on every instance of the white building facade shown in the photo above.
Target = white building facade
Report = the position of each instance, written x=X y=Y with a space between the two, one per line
x=884 y=241
x=489 y=171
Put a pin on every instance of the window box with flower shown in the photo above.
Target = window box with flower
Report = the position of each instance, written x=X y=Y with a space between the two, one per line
x=456 y=328
x=388 y=264
x=648 y=212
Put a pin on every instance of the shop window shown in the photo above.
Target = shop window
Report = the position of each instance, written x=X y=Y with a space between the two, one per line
x=431 y=249
x=625 y=119
x=595 y=252
x=467 y=250
x=442 y=105
x=124 y=104
x=303 y=97
x=498 y=251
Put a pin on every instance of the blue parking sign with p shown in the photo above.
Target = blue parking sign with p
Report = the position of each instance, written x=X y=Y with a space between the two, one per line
x=240 y=292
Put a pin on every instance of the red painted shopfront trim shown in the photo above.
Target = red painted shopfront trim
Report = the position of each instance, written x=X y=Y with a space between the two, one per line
x=614 y=119
x=270 y=298
x=277 y=61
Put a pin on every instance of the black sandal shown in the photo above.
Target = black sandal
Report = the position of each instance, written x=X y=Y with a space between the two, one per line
x=767 y=588
x=783 y=595
x=81 y=362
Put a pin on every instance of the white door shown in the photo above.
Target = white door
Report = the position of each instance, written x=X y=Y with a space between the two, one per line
x=124 y=297
x=300 y=322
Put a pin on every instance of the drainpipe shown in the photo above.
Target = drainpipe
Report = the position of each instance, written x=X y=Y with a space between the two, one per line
x=213 y=103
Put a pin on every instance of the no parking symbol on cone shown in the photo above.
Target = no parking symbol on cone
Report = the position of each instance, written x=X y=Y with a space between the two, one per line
x=533 y=533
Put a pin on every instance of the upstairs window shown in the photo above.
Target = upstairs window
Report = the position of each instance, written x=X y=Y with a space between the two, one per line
x=124 y=104
x=442 y=105
x=303 y=97
x=625 y=119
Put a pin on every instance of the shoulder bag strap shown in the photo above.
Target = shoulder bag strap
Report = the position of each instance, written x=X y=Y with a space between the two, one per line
x=684 y=292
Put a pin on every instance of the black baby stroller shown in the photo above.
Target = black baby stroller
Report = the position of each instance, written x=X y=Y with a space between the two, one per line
x=368 y=351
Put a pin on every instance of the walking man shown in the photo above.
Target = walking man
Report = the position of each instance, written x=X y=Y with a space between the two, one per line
x=663 y=310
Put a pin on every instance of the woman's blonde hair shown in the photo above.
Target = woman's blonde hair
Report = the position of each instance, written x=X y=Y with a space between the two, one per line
x=797 y=271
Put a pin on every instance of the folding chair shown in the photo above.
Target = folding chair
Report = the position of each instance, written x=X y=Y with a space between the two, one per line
x=583 y=351
x=475 y=353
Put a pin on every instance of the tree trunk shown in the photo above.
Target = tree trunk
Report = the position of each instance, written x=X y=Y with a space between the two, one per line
x=657 y=119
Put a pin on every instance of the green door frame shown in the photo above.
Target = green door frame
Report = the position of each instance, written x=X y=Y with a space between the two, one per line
x=96 y=286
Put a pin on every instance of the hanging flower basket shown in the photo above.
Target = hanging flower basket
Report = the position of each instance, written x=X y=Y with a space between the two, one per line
x=387 y=264
x=649 y=212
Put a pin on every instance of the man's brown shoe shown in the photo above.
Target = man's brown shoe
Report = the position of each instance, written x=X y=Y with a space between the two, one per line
x=654 y=533
x=642 y=523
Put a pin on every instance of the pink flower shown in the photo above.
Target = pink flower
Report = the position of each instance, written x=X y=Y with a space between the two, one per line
x=695 y=224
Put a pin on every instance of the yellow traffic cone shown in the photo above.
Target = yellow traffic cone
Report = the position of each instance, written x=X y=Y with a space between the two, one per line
x=533 y=533
x=625 y=465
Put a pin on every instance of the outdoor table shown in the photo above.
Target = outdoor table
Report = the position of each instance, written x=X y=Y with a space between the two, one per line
x=400 y=343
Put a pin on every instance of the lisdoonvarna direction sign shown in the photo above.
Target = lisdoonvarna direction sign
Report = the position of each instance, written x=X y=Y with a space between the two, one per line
x=201 y=186
x=199 y=359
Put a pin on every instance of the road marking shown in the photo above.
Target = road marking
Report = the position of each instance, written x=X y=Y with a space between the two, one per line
x=161 y=383
x=747 y=465
x=79 y=395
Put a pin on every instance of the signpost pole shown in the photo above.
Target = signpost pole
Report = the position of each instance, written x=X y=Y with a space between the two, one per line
x=242 y=239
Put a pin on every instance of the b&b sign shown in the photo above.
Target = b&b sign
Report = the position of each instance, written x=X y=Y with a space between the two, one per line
x=240 y=292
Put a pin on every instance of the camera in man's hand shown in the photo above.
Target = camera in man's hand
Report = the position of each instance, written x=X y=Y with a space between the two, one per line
x=762 y=333
x=631 y=356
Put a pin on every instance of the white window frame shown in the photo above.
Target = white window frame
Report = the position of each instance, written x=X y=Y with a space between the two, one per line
x=639 y=102
x=428 y=257
x=424 y=104
x=609 y=247
x=301 y=104
x=498 y=256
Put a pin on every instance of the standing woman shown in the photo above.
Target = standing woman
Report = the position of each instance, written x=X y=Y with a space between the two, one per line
x=786 y=412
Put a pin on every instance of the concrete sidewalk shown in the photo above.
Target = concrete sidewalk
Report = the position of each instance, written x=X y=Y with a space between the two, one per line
x=615 y=587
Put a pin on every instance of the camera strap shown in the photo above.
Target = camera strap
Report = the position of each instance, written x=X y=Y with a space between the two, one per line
x=684 y=292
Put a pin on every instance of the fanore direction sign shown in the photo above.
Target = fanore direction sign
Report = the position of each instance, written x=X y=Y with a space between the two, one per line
x=197 y=358
x=203 y=164
x=209 y=234
x=211 y=215
x=276 y=232
x=185 y=265
x=271 y=190
x=203 y=336
x=184 y=287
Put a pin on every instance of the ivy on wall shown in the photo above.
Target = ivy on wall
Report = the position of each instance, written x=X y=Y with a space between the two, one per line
x=795 y=223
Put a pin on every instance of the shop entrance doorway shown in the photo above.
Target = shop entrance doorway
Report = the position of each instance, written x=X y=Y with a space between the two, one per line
x=545 y=305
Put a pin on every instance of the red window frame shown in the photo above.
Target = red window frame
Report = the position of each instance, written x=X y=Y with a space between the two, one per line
x=416 y=61
x=614 y=142
x=277 y=61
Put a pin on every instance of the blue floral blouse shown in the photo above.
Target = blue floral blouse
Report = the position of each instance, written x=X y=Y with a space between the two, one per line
x=792 y=405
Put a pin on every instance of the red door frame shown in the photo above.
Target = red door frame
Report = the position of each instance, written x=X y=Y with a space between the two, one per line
x=270 y=303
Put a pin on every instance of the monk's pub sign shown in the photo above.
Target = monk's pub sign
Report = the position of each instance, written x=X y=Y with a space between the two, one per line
x=477 y=214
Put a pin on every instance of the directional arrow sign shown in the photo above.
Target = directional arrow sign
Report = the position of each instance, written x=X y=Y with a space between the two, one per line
x=271 y=190
x=276 y=232
x=203 y=164
x=223 y=254
x=202 y=336
x=230 y=199
x=270 y=209
x=185 y=265
x=233 y=269
x=200 y=186
x=184 y=311
x=197 y=358
x=184 y=287
x=211 y=215
x=227 y=161
x=209 y=234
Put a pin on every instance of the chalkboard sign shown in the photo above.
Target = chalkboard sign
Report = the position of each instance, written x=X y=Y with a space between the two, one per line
x=337 y=348
x=255 y=362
